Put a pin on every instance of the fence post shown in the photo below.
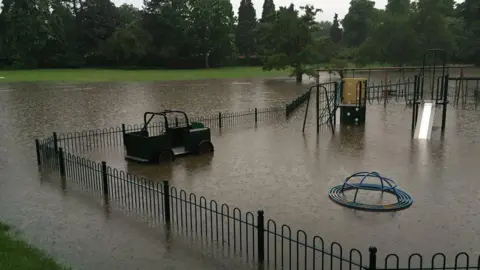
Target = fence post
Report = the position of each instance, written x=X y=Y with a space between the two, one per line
x=414 y=102
x=55 y=142
x=372 y=261
x=37 y=147
x=256 y=115
x=166 y=201
x=445 y=101
x=176 y=121
x=61 y=161
x=335 y=100
x=123 y=129
x=261 y=238
x=105 y=179
x=219 y=119
x=317 y=107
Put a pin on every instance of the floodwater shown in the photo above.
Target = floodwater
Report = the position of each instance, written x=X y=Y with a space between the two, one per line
x=271 y=167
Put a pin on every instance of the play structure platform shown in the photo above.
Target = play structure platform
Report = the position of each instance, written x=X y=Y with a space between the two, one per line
x=191 y=138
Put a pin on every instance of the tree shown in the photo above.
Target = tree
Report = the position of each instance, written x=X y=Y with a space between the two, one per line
x=97 y=21
x=398 y=7
x=431 y=23
x=245 y=36
x=335 y=31
x=358 y=21
x=166 y=22
x=466 y=29
x=26 y=31
x=265 y=26
x=294 y=45
x=268 y=11
x=61 y=47
x=211 y=28
x=323 y=29
x=129 y=43
x=198 y=33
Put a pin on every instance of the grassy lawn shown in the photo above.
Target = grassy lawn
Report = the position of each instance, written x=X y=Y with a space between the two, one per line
x=18 y=255
x=96 y=75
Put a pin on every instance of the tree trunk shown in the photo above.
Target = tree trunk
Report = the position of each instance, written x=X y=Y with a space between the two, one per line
x=299 y=77
x=207 y=63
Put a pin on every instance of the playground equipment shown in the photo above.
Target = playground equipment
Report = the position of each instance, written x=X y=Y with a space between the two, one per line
x=328 y=105
x=348 y=94
x=439 y=95
x=192 y=138
x=352 y=94
x=337 y=193
x=353 y=103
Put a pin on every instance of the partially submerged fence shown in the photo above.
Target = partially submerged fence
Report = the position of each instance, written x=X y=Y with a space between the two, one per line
x=403 y=72
x=296 y=103
x=466 y=92
x=80 y=141
x=247 y=236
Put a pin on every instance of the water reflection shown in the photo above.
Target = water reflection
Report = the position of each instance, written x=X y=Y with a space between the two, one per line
x=155 y=172
x=274 y=168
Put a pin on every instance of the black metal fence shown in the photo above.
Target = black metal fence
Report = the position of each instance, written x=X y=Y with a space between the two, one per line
x=402 y=72
x=466 y=92
x=296 y=103
x=400 y=90
x=245 y=236
x=75 y=142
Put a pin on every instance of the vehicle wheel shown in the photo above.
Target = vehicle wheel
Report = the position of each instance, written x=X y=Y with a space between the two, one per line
x=165 y=156
x=205 y=147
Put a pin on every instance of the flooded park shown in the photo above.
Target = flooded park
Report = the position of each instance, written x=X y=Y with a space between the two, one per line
x=270 y=166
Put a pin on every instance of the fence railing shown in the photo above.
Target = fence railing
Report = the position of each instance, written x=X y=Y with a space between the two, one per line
x=245 y=236
x=397 y=91
x=466 y=92
x=296 y=103
x=75 y=142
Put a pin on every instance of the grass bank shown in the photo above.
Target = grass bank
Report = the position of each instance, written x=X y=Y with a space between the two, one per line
x=18 y=255
x=112 y=75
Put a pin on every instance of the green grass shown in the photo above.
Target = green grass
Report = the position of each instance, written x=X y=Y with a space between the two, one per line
x=18 y=255
x=96 y=75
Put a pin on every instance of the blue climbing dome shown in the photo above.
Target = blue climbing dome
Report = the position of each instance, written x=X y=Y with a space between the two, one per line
x=384 y=184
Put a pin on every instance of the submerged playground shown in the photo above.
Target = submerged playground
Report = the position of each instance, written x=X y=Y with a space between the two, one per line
x=267 y=186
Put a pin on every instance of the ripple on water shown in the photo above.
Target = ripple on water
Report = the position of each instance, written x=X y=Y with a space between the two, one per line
x=272 y=167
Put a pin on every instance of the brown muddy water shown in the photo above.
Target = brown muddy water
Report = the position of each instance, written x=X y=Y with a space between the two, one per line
x=272 y=167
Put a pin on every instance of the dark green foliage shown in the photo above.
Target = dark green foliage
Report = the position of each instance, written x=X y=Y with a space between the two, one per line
x=294 y=45
x=246 y=32
x=335 y=31
x=268 y=12
x=204 y=33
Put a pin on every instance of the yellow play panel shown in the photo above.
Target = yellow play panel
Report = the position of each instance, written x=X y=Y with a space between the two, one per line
x=351 y=90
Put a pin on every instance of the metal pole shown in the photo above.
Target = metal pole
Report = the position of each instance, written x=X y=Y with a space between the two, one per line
x=306 y=109
x=372 y=260
x=37 y=147
x=318 y=108
x=414 y=102
x=335 y=98
x=166 y=201
x=261 y=238
x=445 y=102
